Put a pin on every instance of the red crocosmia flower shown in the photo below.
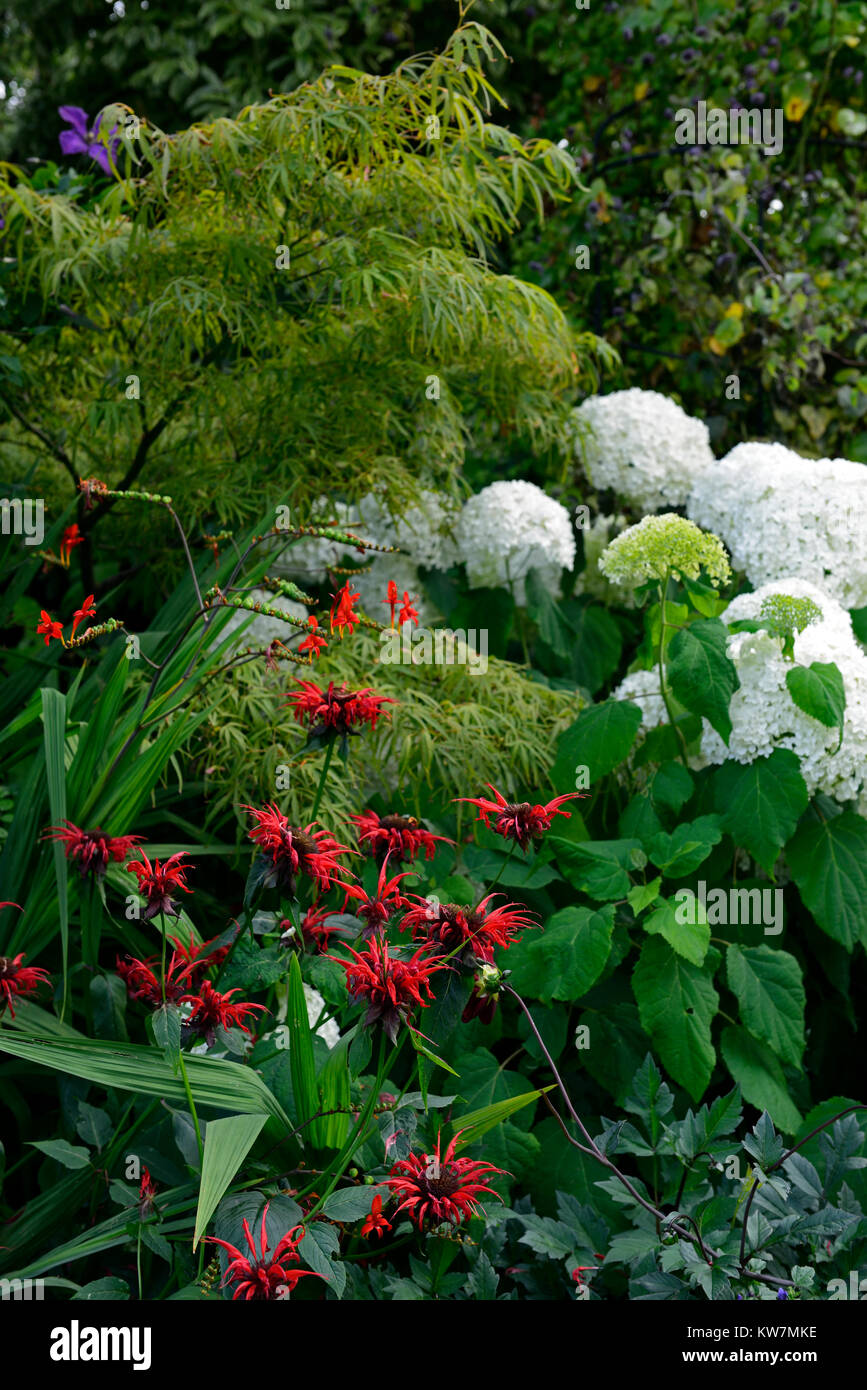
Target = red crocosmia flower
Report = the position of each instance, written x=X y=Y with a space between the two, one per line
x=407 y=613
x=86 y=610
x=90 y=488
x=313 y=643
x=212 y=1010
x=391 y=601
x=375 y=1223
x=400 y=836
x=288 y=850
x=471 y=933
x=146 y=1193
x=157 y=882
x=519 y=821
x=48 y=628
x=387 y=900
x=18 y=979
x=342 y=616
x=256 y=1277
x=433 y=1190
x=92 y=850
x=69 y=540
x=143 y=983
x=391 y=987
x=336 y=710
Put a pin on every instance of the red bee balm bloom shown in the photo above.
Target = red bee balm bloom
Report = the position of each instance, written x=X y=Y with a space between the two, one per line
x=92 y=850
x=337 y=710
x=146 y=1193
x=212 y=1010
x=342 y=616
x=143 y=983
x=157 y=882
x=18 y=979
x=435 y=1190
x=48 y=628
x=400 y=836
x=375 y=1223
x=377 y=910
x=391 y=987
x=259 y=1278
x=469 y=932
x=519 y=821
x=287 y=850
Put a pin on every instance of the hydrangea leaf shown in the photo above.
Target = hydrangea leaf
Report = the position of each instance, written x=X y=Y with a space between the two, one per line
x=689 y=940
x=829 y=864
x=769 y=987
x=818 y=690
x=761 y=802
x=676 y=1003
x=567 y=958
x=760 y=1077
x=702 y=677
x=600 y=739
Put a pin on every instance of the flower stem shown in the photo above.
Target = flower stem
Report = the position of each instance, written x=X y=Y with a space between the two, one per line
x=322 y=776
x=163 y=960
x=663 y=626
x=192 y=1106
x=512 y=847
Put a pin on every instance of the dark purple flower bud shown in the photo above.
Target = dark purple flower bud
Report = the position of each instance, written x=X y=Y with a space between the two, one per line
x=628 y=33
x=689 y=55
x=702 y=31
x=647 y=59
x=663 y=40
x=774 y=65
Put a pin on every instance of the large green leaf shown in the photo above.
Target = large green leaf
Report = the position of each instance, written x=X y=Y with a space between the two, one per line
x=301 y=1060
x=701 y=674
x=760 y=1077
x=677 y=1002
x=682 y=851
x=818 y=690
x=760 y=803
x=689 y=939
x=564 y=960
x=227 y=1144
x=829 y=864
x=600 y=739
x=770 y=990
x=599 y=868
x=54 y=721
x=477 y=1123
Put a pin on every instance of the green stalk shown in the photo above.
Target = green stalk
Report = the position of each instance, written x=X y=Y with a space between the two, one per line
x=192 y=1106
x=322 y=776
x=663 y=626
x=344 y=1158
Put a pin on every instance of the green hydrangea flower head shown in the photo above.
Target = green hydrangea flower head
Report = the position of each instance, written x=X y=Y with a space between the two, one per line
x=661 y=545
x=783 y=613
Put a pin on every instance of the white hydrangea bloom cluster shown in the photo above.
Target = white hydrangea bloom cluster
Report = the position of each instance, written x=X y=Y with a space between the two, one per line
x=508 y=529
x=424 y=532
x=763 y=713
x=643 y=446
x=263 y=630
x=308 y=560
x=781 y=514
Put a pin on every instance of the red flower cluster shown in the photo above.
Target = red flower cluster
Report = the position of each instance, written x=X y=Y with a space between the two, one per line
x=400 y=836
x=288 y=850
x=435 y=1190
x=468 y=932
x=255 y=1276
x=93 y=850
x=69 y=540
x=313 y=643
x=391 y=987
x=519 y=821
x=53 y=631
x=157 y=882
x=185 y=971
x=212 y=1010
x=407 y=613
x=17 y=979
x=375 y=1223
x=387 y=901
x=343 y=616
x=146 y=1193
x=336 y=711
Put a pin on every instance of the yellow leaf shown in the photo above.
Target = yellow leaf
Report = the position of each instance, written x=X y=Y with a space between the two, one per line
x=851 y=40
x=734 y=311
x=641 y=90
x=795 y=108
x=716 y=346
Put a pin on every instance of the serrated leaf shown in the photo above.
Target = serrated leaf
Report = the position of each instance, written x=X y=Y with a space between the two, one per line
x=689 y=940
x=600 y=739
x=677 y=1002
x=829 y=864
x=769 y=988
x=818 y=690
x=760 y=1077
x=760 y=803
x=700 y=673
x=564 y=960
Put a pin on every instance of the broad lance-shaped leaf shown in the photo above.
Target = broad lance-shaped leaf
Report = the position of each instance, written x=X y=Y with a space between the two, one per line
x=829 y=864
x=677 y=1002
x=473 y=1126
x=227 y=1144
x=770 y=991
x=301 y=1061
x=760 y=803
x=700 y=673
x=131 y=1067
x=54 y=722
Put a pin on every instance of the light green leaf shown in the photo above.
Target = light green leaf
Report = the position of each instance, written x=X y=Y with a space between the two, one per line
x=689 y=940
x=227 y=1143
x=564 y=960
x=818 y=690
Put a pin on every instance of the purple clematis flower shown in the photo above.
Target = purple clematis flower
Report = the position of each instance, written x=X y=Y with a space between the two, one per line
x=81 y=140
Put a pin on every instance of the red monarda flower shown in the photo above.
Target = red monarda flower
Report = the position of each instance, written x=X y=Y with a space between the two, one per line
x=87 y=610
x=342 y=616
x=18 y=979
x=92 y=850
x=287 y=850
x=313 y=927
x=400 y=836
x=467 y=932
x=387 y=900
x=143 y=983
x=391 y=987
x=519 y=820
x=375 y=1223
x=256 y=1277
x=48 y=628
x=69 y=540
x=435 y=1190
x=336 y=710
x=313 y=643
x=157 y=882
x=146 y=1193
x=212 y=1010
x=199 y=958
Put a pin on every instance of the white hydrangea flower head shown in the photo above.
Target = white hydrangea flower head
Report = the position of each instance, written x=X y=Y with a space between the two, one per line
x=643 y=446
x=658 y=546
x=508 y=529
x=328 y=1031
x=424 y=532
x=264 y=630
x=643 y=689
x=308 y=560
x=764 y=715
x=781 y=514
